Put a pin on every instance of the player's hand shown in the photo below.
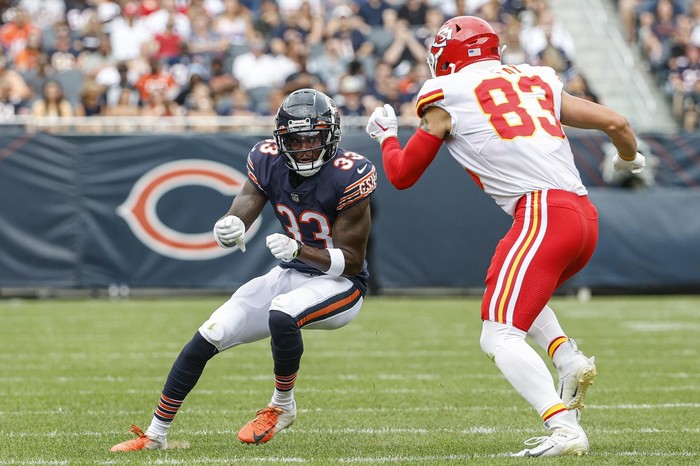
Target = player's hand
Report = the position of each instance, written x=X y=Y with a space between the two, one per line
x=633 y=166
x=230 y=230
x=382 y=123
x=282 y=246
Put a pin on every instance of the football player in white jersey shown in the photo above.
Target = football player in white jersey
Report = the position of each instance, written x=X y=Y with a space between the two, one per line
x=503 y=124
x=320 y=194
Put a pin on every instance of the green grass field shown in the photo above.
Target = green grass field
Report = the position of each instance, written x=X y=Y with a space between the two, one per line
x=405 y=383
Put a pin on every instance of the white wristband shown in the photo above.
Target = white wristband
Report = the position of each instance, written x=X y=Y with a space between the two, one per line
x=337 y=262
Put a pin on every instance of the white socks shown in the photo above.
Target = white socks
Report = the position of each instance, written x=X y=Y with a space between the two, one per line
x=520 y=364
x=284 y=400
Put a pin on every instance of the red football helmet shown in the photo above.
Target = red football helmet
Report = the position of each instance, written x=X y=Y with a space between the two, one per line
x=461 y=41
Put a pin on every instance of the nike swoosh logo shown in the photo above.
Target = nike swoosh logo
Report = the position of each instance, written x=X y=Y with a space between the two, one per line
x=381 y=127
x=258 y=437
x=362 y=170
x=540 y=453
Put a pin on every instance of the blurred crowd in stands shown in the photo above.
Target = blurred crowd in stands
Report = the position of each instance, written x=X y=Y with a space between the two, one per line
x=668 y=34
x=162 y=58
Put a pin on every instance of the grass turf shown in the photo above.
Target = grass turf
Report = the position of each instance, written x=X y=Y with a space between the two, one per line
x=405 y=383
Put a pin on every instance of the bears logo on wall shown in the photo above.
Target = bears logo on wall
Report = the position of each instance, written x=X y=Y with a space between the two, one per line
x=140 y=213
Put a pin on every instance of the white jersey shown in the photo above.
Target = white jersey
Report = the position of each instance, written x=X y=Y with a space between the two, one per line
x=505 y=128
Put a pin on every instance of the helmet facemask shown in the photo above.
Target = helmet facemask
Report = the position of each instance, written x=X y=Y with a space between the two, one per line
x=307 y=131
x=305 y=151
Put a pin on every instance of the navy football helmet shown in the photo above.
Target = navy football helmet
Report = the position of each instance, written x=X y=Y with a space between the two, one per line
x=307 y=130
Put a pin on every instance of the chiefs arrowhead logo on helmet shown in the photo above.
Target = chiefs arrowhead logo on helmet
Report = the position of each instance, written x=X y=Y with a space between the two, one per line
x=462 y=41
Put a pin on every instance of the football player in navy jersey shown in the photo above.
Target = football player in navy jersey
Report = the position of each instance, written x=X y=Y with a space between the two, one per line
x=320 y=194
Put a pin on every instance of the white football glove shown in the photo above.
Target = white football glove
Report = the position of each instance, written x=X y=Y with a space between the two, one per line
x=282 y=246
x=230 y=230
x=633 y=166
x=382 y=124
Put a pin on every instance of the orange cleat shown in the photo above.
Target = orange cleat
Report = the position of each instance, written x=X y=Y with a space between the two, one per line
x=267 y=423
x=142 y=442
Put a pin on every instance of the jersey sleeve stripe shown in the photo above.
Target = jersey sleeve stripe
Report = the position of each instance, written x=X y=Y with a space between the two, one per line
x=361 y=180
x=358 y=190
x=427 y=99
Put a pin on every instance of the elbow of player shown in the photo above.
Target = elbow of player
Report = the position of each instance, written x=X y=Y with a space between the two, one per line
x=400 y=182
x=619 y=125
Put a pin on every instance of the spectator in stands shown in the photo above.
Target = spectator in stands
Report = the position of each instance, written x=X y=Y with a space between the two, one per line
x=156 y=79
x=691 y=109
x=168 y=44
x=8 y=108
x=405 y=50
x=269 y=19
x=204 y=44
x=425 y=33
x=372 y=12
x=221 y=81
x=129 y=34
x=28 y=58
x=35 y=78
x=122 y=85
x=126 y=104
x=330 y=64
x=414 y=12
x=14 y=34
x=656 y=34
x=349 y=100
x=157 y=22
x=353 y=35
x=514 y=52
x=15 y=87
x=92 y=102
x=63 y=53
x=577 y=85
x=234 y=24
x=198 y=74
x=237 y=103
x=158 y=105
x=259 y=70
x=302 y=23
x=201 y=104
x=52 y=102
x=547 y=33
x=302 y=78
x=98 y=62
x=92 y=33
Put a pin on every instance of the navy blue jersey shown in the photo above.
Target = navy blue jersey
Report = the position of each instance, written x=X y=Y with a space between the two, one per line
x=308 y=211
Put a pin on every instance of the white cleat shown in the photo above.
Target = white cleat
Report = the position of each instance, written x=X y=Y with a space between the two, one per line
x=576 y=375
x=561 y=443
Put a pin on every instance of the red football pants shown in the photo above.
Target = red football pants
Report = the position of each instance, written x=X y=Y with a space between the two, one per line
x=553 y=236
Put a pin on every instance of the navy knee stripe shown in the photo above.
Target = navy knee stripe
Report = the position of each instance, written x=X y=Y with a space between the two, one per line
x=332 y=306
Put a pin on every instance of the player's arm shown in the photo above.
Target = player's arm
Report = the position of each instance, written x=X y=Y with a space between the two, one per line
x=582 y=113
x=350 y=235
x=248 y=204
x=403 y=167
x=245 y=208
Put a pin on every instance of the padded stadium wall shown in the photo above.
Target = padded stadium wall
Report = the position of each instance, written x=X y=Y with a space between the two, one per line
x=87 y=212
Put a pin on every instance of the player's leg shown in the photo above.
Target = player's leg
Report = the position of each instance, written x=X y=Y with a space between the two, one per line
x=523 y=275
x=575 y=370
x=315 y=302
x=241 y=319
x=528 y=374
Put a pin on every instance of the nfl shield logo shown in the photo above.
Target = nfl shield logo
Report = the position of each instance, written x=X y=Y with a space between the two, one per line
x=295 y=197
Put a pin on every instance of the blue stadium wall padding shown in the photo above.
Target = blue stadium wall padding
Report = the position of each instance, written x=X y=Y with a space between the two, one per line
x=89 y=211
